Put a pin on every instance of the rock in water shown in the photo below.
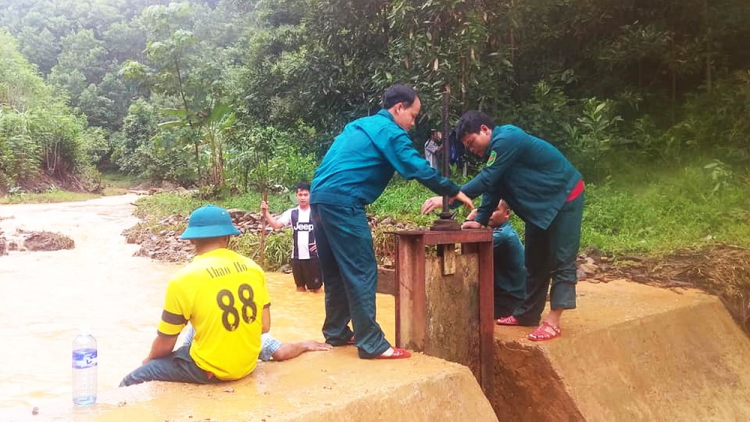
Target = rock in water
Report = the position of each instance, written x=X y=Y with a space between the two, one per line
x=46 y=241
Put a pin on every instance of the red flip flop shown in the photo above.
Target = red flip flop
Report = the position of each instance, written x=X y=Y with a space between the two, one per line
x=509 y=320
x=397 y=354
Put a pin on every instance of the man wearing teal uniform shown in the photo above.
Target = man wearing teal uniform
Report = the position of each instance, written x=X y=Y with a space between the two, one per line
x=508 y=263
x=354 y=172
x=546 y=192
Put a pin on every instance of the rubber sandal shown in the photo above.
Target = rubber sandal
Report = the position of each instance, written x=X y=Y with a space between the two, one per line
x=541 y=334
x=509 y=320
x=397 y=354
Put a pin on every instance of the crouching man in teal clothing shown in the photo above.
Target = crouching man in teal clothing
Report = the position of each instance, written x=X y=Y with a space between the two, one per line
x=354 y=172
x=546 y=192
x=508 y=262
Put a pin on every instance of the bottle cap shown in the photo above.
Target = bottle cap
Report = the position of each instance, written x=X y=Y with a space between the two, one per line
x=85 y=330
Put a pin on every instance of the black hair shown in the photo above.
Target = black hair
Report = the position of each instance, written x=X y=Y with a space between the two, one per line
x=452 y=139
x=470 y=122
x=507 y=207
x=302 y=186
x=399 y=94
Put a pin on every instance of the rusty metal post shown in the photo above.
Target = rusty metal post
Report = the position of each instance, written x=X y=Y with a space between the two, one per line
x=446 y=220
x=446 y=164
x=411 y=309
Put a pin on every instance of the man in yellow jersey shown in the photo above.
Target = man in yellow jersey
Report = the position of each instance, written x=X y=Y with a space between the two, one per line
x=223 y=295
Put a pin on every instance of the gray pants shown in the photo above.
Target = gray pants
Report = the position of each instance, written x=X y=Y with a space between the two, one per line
x=178 y=366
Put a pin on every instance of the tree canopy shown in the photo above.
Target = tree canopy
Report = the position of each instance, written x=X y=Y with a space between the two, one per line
x=247 y=93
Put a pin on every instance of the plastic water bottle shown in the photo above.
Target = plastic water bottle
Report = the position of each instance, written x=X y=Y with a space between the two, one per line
x=84 y=368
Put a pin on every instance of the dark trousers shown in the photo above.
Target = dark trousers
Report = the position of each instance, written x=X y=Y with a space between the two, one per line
x=350 y=276
x=306 y=273
x=507 y=301
x=552 y=254
x=178 y=366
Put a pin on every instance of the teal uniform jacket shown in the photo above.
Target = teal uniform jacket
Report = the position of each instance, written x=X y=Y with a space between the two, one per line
x=509 y=268
x=528 y=173
x=362 y=160
x=354 y=172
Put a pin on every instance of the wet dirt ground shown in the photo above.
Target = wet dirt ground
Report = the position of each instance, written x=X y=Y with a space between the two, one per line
x=45 y=296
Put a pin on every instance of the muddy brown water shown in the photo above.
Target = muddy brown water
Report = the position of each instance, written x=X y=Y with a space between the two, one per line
x=46 y=296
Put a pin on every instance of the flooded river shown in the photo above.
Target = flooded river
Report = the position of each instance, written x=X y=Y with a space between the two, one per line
x=46 y=296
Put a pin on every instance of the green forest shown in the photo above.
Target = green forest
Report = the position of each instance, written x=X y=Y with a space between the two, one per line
x=649 y=99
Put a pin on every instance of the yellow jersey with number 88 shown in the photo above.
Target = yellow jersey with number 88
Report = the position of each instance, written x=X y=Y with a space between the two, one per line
x=222 y=294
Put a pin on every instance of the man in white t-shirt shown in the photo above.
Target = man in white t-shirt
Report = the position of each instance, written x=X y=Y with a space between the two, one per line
x=432 y=149
x=305 y=265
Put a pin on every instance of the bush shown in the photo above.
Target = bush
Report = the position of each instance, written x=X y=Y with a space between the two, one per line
x=265 y=157
x=278 y=248
x=545 y=114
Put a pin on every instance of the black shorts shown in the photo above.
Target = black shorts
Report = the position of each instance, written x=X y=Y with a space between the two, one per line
x=306 y=273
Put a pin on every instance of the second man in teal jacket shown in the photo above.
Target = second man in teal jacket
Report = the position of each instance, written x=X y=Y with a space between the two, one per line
x=546 y=192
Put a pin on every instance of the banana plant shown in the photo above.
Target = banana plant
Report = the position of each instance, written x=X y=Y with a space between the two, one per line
x=212 y=126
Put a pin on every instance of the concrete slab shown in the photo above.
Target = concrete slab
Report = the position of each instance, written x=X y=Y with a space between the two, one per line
x=630 y=352
x=322 y=386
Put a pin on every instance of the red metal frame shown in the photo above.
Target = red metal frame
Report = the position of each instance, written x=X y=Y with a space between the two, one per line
x=411 y=300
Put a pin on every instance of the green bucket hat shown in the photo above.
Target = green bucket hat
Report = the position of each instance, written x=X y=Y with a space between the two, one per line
x=209 y=221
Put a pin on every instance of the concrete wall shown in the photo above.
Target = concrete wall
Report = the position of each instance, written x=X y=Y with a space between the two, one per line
x=630 y=353
x=316 y=387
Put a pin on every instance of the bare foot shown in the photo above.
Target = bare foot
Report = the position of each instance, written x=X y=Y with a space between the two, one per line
x=301 y=289
x=546 y=331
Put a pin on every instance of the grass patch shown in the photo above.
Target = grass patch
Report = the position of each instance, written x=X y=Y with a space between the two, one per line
x=163 y=204
x=49 y=197
x=114 y=191
x=278 y=247
x=647 y=209
x=657 y=209
x=277 y=202
x=120 y=180
x=403 y=199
